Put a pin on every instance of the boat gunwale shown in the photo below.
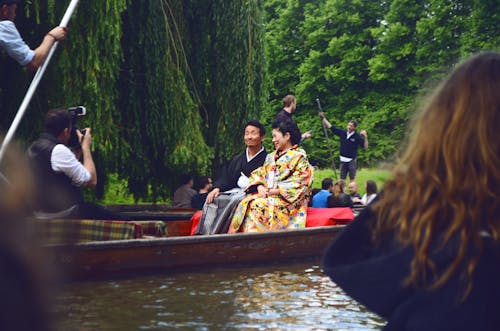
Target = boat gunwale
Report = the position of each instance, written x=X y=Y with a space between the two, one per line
x=179 y=240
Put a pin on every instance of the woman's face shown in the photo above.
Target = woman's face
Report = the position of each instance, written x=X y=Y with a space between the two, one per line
x=281 y=142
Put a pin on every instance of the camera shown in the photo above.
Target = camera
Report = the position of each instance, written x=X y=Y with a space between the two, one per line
x=75 y=113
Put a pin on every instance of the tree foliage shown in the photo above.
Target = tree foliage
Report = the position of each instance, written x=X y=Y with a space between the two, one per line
x=161 y=79
x=368 y=60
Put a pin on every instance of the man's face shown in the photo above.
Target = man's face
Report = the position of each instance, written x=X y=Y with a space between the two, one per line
x=353 y=188
x=293 y=106
x=252 y=136
x=9 y=11
x=351 y=127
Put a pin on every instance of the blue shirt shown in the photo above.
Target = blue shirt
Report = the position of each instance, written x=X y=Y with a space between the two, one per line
x=13 y=44
x=320 y=198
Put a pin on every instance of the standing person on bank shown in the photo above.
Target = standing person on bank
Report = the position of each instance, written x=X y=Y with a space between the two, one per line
x=350 y=141
x=289 y=107
x=59 y=176
x=13 y=44
x=425 y=255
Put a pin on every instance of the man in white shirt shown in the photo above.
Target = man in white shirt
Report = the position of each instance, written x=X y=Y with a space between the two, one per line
x=59 y=175
x=13 y=44
x=350 y=141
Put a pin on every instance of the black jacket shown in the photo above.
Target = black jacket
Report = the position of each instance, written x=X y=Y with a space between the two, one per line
x=54 y=191
x=373 y=275
x=231 y=172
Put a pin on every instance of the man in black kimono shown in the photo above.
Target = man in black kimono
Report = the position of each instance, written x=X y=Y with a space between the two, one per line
x=228 y=188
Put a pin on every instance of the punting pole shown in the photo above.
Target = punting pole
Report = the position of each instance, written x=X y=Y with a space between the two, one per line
x=327 y=141
x=34 y=84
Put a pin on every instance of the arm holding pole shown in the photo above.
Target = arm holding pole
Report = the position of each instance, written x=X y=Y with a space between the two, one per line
x=365 y=135
x=324 y=120
x=42 y=51
x=34 y=84
x=325 y=124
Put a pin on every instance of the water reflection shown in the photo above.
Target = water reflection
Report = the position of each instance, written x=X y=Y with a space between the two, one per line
x=297 y=297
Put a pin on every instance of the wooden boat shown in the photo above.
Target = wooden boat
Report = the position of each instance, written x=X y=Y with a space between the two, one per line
x=179 y=251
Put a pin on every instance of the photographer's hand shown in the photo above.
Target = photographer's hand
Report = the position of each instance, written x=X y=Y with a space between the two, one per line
x=88 y=162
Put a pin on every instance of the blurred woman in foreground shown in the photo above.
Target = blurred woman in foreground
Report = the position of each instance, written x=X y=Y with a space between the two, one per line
x=281 y=187
x=426 y=255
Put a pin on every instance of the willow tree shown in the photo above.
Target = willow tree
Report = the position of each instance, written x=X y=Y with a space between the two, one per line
x=161 y=128
x=168 y=84
x=228 y=69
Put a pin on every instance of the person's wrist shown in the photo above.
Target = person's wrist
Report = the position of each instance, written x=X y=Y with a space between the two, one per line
x=52 y=36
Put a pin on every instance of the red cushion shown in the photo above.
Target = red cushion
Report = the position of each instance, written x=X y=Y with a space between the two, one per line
x=195 y=219
x=328 y=216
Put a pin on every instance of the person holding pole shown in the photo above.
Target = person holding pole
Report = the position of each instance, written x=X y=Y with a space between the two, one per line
x=13 y=44
x=350 y=141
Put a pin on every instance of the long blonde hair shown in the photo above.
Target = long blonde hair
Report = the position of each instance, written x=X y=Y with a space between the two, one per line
x=447 y=183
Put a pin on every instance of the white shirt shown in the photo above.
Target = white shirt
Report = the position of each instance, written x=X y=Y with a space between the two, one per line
x=13 y=44
x=243 y=181
x=63 y=160
x=367 y=199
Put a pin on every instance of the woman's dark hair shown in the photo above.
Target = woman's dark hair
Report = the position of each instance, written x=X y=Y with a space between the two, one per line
x=371 y=187
x=288 y=126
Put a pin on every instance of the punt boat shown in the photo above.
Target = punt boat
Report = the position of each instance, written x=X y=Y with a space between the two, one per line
x=179 y=251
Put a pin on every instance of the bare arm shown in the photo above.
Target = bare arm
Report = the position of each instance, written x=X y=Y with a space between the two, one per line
x=88 y=162
x=41 y=52
x=324 y=120
x=364 y=134
x=212 y=195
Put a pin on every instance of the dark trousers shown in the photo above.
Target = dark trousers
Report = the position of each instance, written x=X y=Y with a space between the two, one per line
x=350 y=167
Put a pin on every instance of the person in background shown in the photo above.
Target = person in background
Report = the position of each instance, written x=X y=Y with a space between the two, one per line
x=205 y=186
x=370 y=195
x=13 y=44
x=289 y=107
x=425 y=254
x=59 y=175
x=280 y=189
x=353 y=192
x=350 y=141
x=319 y=199
x=184 y=193
x=339 y=198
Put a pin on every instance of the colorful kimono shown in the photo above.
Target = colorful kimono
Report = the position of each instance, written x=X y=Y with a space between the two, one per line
x=292 y=174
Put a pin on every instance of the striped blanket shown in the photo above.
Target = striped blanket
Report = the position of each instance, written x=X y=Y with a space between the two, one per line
x=61 y=231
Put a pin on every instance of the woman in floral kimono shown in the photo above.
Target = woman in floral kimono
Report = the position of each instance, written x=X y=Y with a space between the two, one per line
x=280 y=188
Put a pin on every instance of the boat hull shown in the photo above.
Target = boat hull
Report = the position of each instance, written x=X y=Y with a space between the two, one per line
x=91 y=260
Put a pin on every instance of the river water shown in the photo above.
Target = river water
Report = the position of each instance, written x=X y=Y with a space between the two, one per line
x=291 y=297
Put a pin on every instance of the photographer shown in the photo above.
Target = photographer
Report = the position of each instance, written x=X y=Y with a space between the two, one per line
x=59 y=175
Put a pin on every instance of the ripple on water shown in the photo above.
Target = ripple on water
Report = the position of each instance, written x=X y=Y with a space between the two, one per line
x=297 y=297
